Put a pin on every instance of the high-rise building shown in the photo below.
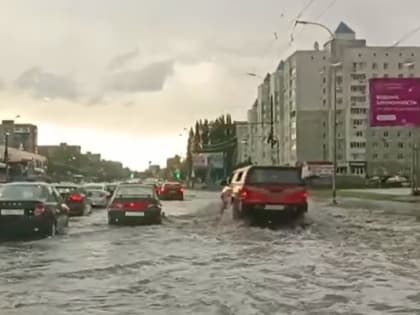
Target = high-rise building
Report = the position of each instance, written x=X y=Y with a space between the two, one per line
x=242 y=138
x=20 y=136
x=304 y=89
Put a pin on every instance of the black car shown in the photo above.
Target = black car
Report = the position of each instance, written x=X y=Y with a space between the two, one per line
x=76 y=198
x=135 y=204
x=32 y=208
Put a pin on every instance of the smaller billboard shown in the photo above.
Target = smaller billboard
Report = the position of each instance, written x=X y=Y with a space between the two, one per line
x=394 y=102
x=200 y=160
x=317 y=169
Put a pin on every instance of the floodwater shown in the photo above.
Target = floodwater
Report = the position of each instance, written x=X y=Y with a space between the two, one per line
x=347 y=260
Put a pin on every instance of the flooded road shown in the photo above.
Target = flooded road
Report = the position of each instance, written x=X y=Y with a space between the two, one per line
x=347 y=261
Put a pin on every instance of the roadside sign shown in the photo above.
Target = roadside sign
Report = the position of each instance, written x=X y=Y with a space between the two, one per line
x=394 y=102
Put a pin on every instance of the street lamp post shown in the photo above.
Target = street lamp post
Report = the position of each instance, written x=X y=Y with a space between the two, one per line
x=414 y=149
x=6 y=153
x=334 y=65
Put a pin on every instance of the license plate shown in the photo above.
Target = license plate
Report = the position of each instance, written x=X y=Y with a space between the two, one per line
x=134 y=214
x=12 y=211
x=274 y=207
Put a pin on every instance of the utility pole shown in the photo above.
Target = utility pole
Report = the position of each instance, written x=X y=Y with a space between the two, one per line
x=334 y=177
x=6 y=154
x=271 y=136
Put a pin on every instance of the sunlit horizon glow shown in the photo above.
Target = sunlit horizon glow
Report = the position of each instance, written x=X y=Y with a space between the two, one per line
x=131 y=151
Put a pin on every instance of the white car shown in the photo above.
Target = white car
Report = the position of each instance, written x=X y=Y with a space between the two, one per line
x=98 y=198
x=97 y=186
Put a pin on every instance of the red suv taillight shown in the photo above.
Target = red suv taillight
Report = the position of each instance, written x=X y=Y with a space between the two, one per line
x=40 y=209
x=77 y=198
x=253 y=196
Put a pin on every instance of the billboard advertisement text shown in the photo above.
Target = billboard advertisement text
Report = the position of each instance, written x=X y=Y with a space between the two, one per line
x=395 y=102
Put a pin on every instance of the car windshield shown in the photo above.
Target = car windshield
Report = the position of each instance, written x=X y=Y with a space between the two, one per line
x=23 y=192
x=290 y=176
x=134 y=191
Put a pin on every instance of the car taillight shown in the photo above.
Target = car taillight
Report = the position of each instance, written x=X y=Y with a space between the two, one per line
x=250 y=195
x=77 y=198
x=181 y=189
x=39 y=209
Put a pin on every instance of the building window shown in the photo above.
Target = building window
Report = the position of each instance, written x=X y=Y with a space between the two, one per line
x=357 y=145
x=324 y=90
x=400 y=75
x=386 y=144
x=375 y=144
x=374 y=54
x=375 y=156
x=386 y=133
x=386 y=155
x=398 y=134
x=409 y=133
x=359 y=134
x=374 y=66
x=374 y=75
x=400 y=156
x=324 y=102
x=324 y=80
x=401 y=145
x=400 y=65
x=386 y=65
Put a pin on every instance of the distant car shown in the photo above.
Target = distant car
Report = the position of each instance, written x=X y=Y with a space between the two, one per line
x=171 y=191
x=260 y=192
x=32 y=207
x=76 y=198
x=98 y=198
x=134 y=204
x=97 y=186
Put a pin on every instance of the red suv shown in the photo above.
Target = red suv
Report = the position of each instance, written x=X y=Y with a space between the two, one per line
x=268 y=192
x=171 y=191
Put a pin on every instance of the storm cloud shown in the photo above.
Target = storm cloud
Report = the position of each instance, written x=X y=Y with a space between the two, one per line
x=45 y=84
x=151 y=78
x=122 y=60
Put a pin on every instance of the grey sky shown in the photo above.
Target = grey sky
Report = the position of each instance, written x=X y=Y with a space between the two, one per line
x=171 y=61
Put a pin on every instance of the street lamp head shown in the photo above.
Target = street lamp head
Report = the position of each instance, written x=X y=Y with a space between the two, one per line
x=251 y=74
x=301 y=22
x=336 y=64
x=409 y=64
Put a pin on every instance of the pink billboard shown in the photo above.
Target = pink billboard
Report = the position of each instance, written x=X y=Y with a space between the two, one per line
x=394 y=102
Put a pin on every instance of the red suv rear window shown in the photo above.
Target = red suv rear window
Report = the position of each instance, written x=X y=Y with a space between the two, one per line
x=275 y=175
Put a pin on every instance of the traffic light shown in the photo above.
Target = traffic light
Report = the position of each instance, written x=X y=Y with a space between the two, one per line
x=178 y=174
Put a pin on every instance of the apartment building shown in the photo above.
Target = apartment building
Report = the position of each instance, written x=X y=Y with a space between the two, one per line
x=242 y=138
x=52 y=150
x=306 y=86
x=363 y=150
x=20 y=136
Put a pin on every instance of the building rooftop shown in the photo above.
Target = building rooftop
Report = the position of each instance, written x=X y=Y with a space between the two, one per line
x=343 y=28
